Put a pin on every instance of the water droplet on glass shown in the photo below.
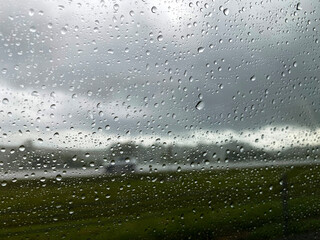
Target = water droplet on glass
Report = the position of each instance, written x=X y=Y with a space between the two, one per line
x=59 y=177
x=200 y=105
x=160 y=38
x=64 y=30
x=153 y=9
x=31 y=12
x=116 y=7
x=22 y=148
x=253 y=78
x=200 y=49
x=226 y=11
x=61 y=7
x=299 y=6
x=35 y=93
x=5 y=101
x=33 y=29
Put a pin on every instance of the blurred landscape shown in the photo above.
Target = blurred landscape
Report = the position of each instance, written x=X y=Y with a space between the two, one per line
x=231 y=191
x=249 y=203
x=28 y=157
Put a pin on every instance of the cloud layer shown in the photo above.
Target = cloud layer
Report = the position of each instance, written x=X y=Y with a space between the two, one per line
x=84 y=75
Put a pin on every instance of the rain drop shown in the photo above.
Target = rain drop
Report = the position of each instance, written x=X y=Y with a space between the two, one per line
x=64 y=30
x=153 y=9
x=298 y=7
x=59 y=177
x=22 y=148
x=33 y=29
x=5 y=101
x=200 y=49
x=31 y=12
x=200 y=105
x=116 y=7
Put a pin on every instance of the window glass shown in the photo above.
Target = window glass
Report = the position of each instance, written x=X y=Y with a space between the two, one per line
x=159 y=119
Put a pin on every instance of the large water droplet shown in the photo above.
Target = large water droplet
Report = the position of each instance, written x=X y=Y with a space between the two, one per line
x=116 y=7
x=64 y=30
x=226 y=11
x=200 y=105
x=200 y=49
x=59 y=177
x=153 y=9
x=298 y=7
x=22 y=148
x=31 y=12
x=35 y=93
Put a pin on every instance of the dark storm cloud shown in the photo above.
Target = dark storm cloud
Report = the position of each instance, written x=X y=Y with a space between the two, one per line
x=139 y=71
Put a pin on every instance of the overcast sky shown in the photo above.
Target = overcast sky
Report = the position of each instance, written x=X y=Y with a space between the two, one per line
x=87 y=74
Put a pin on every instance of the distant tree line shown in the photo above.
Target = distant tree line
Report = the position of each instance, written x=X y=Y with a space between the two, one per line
x=32 y=157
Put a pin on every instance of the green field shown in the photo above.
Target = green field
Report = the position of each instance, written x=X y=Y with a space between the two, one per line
x=215 y=204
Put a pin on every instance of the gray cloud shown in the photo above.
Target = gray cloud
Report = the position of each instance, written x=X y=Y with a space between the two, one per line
x=87 y=66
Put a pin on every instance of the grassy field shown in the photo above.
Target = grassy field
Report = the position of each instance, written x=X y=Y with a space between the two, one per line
x=215 y=204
